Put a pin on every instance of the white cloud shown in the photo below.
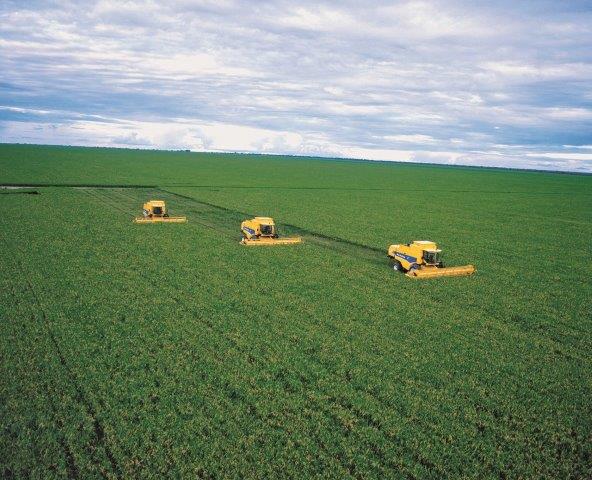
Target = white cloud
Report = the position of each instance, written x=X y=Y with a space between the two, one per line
x=25 y=110
x=337 y=91
x=385 y=80
x=415 y=138
x=194 y=64
x=319 y=18
x=539 y=71
x=584 y=147
x=432 y=19
x=185 y=135
x=562 y=155
x=568 y=113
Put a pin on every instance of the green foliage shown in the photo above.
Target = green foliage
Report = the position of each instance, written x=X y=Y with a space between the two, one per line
x=170 y=350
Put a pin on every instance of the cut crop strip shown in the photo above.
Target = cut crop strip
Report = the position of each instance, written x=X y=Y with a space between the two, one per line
x=226 y=220
x=75 y=185
x=317 y=237
x=23 y=191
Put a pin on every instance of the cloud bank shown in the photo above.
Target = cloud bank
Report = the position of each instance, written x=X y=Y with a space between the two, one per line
x=457 y=82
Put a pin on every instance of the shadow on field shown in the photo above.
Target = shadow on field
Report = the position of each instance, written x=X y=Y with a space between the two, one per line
x=18 y=191
x=224 y=220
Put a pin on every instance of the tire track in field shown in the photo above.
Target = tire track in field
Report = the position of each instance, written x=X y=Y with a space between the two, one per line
x=71 y=467
x=80 y=396
x=75 y=185
x=104 y=196
x=365 y=419
x=202 y=209
x=105 y=199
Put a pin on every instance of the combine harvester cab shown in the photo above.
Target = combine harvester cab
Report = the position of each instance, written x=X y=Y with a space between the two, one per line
x=262 y=231
x=422 y=259
x=155 y=211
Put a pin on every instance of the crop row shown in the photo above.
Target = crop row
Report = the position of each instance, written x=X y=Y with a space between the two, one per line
x=207 y=359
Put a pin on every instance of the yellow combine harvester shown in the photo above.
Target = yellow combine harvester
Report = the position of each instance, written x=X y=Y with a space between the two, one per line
x=155 y=211
x=421 y=259
x=262 y=231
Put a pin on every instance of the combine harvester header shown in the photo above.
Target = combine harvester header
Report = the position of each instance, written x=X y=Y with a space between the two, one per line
x=155 y=211
x=262 y=231
x=422 y=259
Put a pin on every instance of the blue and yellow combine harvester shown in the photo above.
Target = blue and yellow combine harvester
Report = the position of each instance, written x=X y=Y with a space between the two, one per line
x=422 y=259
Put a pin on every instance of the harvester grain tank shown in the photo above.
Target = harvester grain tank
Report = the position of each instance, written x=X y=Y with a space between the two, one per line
x=422 y=259
x=155 y=211
x=262 y=231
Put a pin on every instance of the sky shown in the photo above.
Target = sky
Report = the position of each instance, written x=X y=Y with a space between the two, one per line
x=506 y=83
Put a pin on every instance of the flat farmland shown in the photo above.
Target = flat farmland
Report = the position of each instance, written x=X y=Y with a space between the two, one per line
x=142 y=351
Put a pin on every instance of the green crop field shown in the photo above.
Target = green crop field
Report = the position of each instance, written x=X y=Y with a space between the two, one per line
x=150 y=351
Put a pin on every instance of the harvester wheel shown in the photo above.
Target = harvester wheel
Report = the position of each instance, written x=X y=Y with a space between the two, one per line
x=397 y=266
